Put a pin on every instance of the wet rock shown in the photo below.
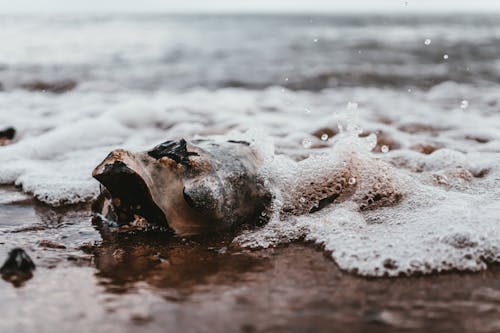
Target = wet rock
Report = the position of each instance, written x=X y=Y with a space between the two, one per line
x=414 y=128
x=18 y=267
x=87 y=248
x=190 y=187
x=460 y=240
x=57 y=87
x=426 y=149
x=478 y=139
x=330 y=132
x=390 y=263
x=481 y=173
x=7 y=135
x=385 y=120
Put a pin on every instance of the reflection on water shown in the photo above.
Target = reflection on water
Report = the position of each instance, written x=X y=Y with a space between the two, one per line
x=165 y=262
x=66 y=236
x=108 y=282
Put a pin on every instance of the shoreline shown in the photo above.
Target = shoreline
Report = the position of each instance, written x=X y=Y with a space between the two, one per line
x=186 y=284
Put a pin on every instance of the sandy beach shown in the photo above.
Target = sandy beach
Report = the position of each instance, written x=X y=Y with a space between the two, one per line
x=406 y=106
x=146 y=283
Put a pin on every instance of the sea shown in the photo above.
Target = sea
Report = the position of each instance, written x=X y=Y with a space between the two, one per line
x=416 y=98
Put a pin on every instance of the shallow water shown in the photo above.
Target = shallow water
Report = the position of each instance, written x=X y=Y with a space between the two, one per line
x=152 y=283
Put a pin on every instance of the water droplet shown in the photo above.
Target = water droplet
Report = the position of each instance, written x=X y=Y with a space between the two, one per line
x=302 y=199
x=445 y=57
x=428 y=41
x=306 y=143
x=315 y=40
x=263 y=213
x=384 y=149
x=352 y=105
x=409 y=90
x=324 y=137
x=464 y=104
x=286 y=79
x=352 y=181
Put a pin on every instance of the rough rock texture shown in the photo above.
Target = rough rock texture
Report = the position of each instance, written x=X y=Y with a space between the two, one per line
x=191 y=187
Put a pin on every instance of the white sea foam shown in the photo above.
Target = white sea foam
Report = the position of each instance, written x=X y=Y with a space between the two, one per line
x=442 y=140
x=448 y=218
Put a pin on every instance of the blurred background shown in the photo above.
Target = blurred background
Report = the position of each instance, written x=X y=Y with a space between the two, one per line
x=109 y=45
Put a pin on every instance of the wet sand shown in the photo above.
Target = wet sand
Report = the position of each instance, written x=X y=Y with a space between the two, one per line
x=88 y=279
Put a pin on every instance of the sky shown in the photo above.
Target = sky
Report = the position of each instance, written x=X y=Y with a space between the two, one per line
x=248 y=6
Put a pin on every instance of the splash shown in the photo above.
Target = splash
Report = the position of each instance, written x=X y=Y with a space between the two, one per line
x=385 y=221
x=442 y=165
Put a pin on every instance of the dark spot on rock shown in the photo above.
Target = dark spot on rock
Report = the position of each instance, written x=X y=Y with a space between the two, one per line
x=175 y=150
x=57 y=87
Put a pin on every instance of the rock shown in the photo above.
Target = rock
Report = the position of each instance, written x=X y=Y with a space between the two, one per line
x=329 y=132
x=191 y=187
x=204 y=185
x=7 y=135
x=57 y=87
x=18 y=267
x=50 y=244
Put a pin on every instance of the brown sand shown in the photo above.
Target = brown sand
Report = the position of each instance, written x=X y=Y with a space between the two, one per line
x=91 y=280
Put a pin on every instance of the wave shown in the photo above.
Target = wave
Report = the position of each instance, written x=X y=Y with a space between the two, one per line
x=442 y=153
